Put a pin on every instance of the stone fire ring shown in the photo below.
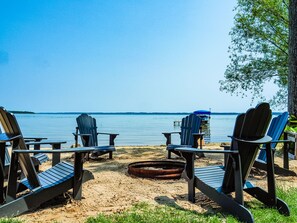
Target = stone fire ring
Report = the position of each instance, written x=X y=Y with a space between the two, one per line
x=157 y=169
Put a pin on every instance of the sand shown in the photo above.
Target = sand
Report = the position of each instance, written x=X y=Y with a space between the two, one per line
x=113 y=190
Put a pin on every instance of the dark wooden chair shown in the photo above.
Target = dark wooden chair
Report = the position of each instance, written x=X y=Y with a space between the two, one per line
x=35 y=189
x=219 y=182
x=275 y=131
x=87 y=130
x=37 y=159
x=189 y=135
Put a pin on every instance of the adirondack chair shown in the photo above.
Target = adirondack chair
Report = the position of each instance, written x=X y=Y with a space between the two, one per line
x=87 y=130
x=37 y=159
x=218 y=182
x=275 y=131
x=35 y=189
x=189 y=135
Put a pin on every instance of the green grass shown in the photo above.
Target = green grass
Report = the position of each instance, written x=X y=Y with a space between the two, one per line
x=9 y=220
x=145 y=213
x=263 y=214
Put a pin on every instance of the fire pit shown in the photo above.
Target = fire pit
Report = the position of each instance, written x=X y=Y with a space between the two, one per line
x=157 y=169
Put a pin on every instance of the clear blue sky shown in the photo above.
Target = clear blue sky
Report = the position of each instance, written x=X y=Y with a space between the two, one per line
x=115 y=55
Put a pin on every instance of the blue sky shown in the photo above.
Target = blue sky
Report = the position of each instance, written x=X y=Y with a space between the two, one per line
x=116 y=55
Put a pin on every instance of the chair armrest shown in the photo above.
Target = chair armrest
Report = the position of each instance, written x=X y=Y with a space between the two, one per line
x=198 y=134
x=193 y=150
x=168 y=136
x=8 y=137
x=45 y=142
x=166 y=133
x=79 y=134
x=71 y=150
x=281 y=141
x=37 y=139
x=291 y=133
x=276 y=141
x=106 y=133
x=263 y=140
x=112 y=137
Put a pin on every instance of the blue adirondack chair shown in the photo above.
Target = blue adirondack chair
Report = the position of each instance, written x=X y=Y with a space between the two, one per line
x=219 y=182
x=275 y=131
x=189 y=135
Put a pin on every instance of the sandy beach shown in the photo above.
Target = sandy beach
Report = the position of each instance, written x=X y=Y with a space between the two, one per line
x=114 y=190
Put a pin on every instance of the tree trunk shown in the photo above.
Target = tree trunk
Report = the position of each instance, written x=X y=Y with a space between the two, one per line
x=292 y=76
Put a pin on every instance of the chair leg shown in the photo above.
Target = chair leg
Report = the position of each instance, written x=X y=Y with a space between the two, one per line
x=286 y=156
x=169 y=155
x=266 y=199
x=78 y=176
x=227 y=203
x=282 y=207
x=191 y=190
x=110 y=155
x=87 y=156
x=234 y=208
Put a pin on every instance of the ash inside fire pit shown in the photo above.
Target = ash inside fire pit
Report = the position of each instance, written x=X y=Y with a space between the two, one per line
x=157 y=169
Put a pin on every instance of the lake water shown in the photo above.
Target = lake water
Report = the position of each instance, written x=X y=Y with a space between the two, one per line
x=134 y=129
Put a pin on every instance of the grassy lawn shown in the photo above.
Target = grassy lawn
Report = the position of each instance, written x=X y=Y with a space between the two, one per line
x=9 y=220
x=144 y=213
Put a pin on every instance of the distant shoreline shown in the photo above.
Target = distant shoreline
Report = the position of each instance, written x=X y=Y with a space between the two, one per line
x=125 y=113
x=138 y=113
x=22 y=112
x=132 y=113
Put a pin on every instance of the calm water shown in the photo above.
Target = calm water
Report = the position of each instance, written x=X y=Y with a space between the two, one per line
x=134 y=129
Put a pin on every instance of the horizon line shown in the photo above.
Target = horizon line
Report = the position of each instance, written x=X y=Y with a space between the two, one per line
x=143 y=113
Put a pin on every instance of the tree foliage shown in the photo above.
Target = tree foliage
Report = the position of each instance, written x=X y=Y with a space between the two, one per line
x=259 y=49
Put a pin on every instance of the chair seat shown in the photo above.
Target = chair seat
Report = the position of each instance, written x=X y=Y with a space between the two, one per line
x=213 y=176
x=59 y=173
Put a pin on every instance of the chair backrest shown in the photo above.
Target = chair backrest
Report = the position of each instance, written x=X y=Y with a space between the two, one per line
x=249 y=126
x=275 y=131
x=87 y=125
x=190 y=124
x=7 y=156
x=11 y=128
